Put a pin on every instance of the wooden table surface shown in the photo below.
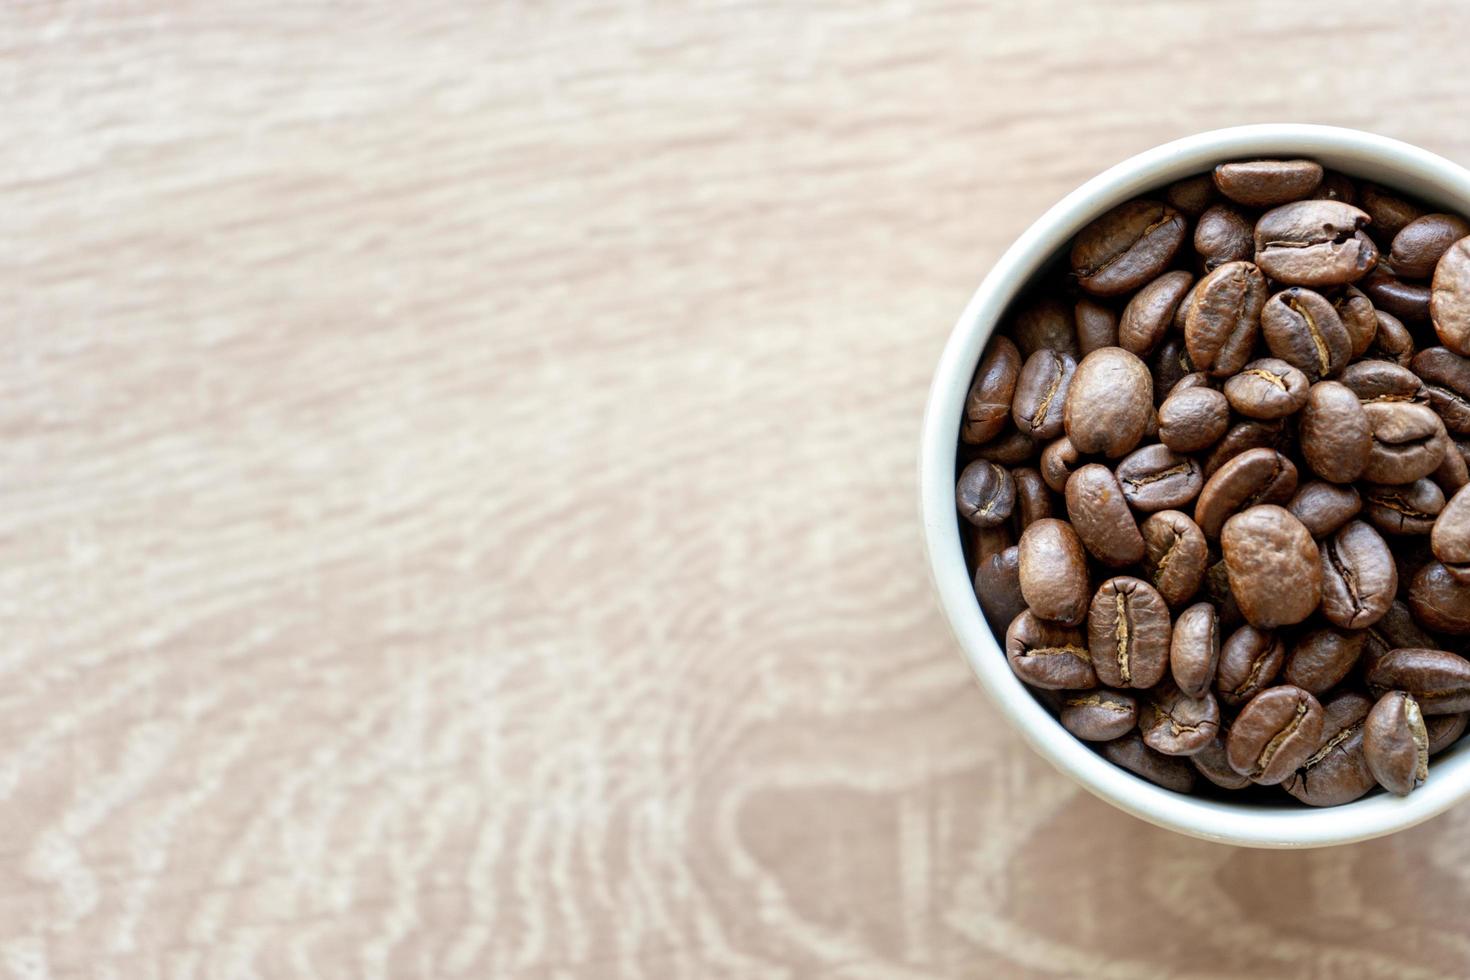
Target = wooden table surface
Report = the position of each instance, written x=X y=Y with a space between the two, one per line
x=457 y=508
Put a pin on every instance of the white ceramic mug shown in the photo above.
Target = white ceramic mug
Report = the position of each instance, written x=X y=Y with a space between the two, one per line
x=1389 y=162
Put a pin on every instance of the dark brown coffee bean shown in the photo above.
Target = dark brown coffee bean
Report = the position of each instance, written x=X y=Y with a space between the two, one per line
x=1011 y=448
x=1223 y=235
x=1396 y=744
x=1264 y=547
x=987 y=541
x=1156 y=478
x=1100 y=515
x=1048 y=655
x=1058 y=461
x=988 y=405
x=1149 y=313
x=1167 y=771
x=1224 y=319
x=1256 y=476
x=1128 y=633
x=1274 y=734
x=1323 y=657
x=1407 y=442
x=1336 y=187
x=1450 y=537
x=1100 y=715
x=1445 y=730
x=1411 y=555
x=1397 y=629
x=1194 y=650
x=1176 y=555
x=1250 y=660
x=1174 y=723
x=1033 y=498
x=1170 y=366
x=985 y=494
x=1452 y=473
x=1405 y=510
x=1314 y=243
x=1356 y=312
x=1449 y=303
x=1324 y=507
x=1267 y=389
x=1418 y=247
x=1438 y=679
x=1383 y=381
x=1441 y=601
x=1054 y=572
x=1302 y=328
x=1408 y=301
x=1127 y=247
x=1390 y=212
x=1359 y=578
x=1097 y=325
x=1244 y=436
x=1041 y=392
x=1446 y=377
x=1044 y=323
x=1336 y=772
x=1109 y=403
x=1212 y=763
x=1267 y=183
x=1192 y=195
x=1217 y=590
x=998 y=587
x=1193 y=419
x=1393 y=341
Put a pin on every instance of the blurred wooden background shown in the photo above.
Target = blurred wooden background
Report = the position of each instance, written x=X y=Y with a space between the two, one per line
x=457 y=506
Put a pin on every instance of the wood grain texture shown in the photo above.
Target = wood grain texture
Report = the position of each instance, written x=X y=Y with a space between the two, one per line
x=457 y=491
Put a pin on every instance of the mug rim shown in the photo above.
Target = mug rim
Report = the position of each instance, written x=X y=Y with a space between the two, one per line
x=1364 y=155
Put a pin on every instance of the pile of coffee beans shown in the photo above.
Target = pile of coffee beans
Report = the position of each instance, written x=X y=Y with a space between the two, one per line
x=1213 y=473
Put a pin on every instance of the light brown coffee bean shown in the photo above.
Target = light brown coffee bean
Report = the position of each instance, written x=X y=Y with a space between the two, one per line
x=1224 y=318
x=1250 y=661
x=1274 y=734
x=1193 y=419
x=1450 y=537
x=1053 y=572
x=1396 y=744
x=1109 y=403
x=1174 y=723
x=1404 y=510
x=1126 y=247
x=1048 y=655
x=1100 y=515
x=1267 y=183
x=1263 y=547
x=1438 y=680
x=1041 y=393
x=1359 y=578
x=1156 y=478
x=1407 y=442
x=1267 y=389
x=1128 y=633
x=1314 y=244
x=1449 y=301
x=1440 y=599
x=1356 y=312
x=1420 y=244
x=1058 y=461
x=1324 y=507
x=1149 y=313
x=1303 y=329
x=1099 y=715
x=1223 y=234
x=1176 y=555
x=1194 y=651
x=1256 y=476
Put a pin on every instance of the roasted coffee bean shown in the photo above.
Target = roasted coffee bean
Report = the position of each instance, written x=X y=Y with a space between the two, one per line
x=1449 y=303
x=1408 y=301
x=1224 y=318
x=1390 y=212
x=1194 y=650
x=1256 y=476
x=998 y=587
x=1174 y=723
x=1176 y=555
x=1323 y=657
x=1149 y=313
x=1041 y=392
x=1303 y=329
x=1212 y=763
x=1267 y=183
x=1356 y=312
x=1033 y=499
x=1453 y=473
x=1450 y=537
x=988 y=405
x=1446 y=377
x=1250 y=661
x=1128 y=633
x=1267 y=389
x=1048 y=655
x=1054 y=572
x=1395 y=630
x=1044 y=323
x=1097 y=325
x=1217 y=590
x=1314 y=243
x=1324 y=507
x=1383 y=381
x=1445 y=730
x=1406 y=442
x=1393 y=341
x=1438 y=680
x=985 y=494
x=1396 y=744
x=1274 y=734
x=1441 y=601
x=1167 y=771
x=1100 y=715
x=1109 y=403
x=1009 y=449
x=1403 y=510
x=1127 y=247
x=1265 y=547
x=987 y=541
x=1193 y=419
x=1170 y=366
x=1418 y=247
x=1336 y=772
x=1244 y=436
x=1192 y=195
x=1359 y=578
x=1223 y=235
x=1156 y=478
x=1100 y=515
x=1058 y=461
x=1336 y=187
